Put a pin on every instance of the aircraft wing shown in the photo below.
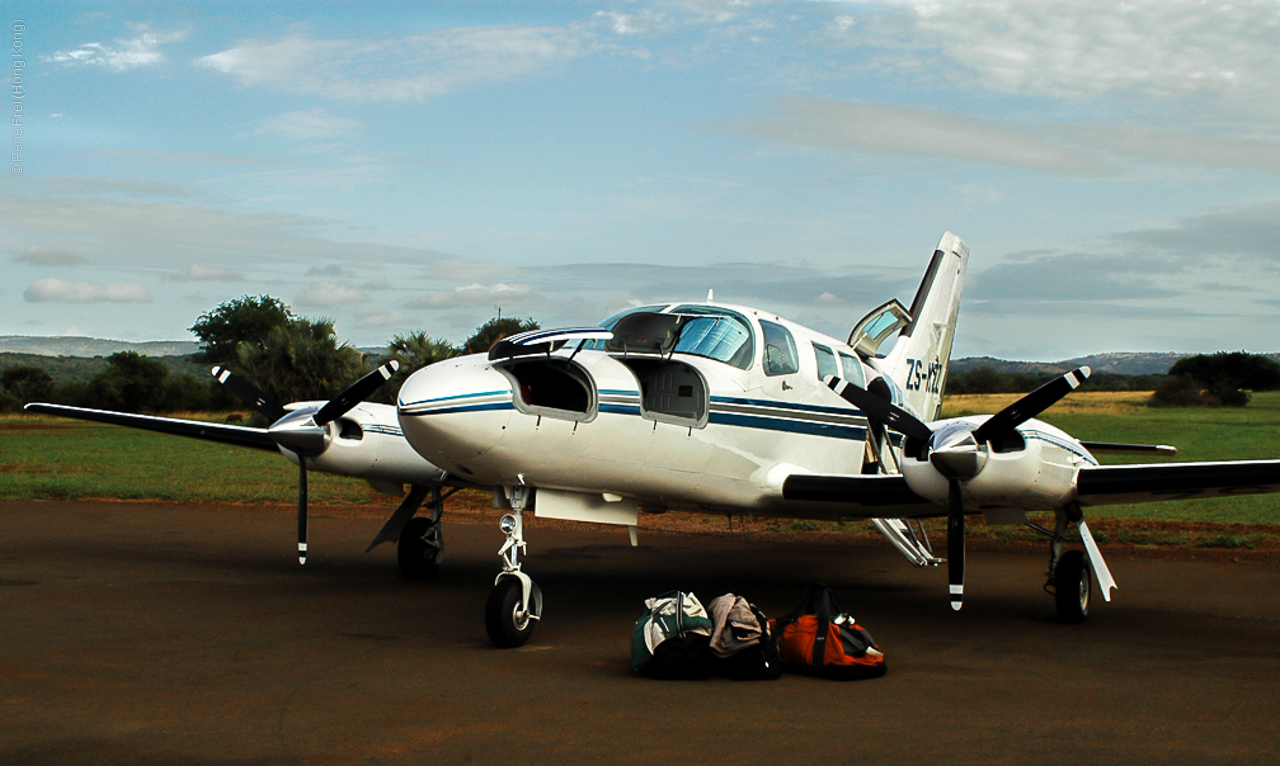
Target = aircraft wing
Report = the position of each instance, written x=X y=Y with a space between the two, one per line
x=867 y=496
x=1109 y=484
x=240 y=436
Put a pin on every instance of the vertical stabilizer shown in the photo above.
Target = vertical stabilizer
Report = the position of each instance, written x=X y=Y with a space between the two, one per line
x=918 y=362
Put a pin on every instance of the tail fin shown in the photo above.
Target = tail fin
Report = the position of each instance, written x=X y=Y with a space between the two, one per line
x=918 y=362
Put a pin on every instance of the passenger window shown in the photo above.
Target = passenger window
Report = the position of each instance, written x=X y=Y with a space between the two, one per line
x=826 y=362
x=853 y=370
x=780 y=357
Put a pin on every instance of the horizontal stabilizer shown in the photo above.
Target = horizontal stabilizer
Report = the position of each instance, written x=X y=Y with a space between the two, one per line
x=1106 y=484
x=240 y=436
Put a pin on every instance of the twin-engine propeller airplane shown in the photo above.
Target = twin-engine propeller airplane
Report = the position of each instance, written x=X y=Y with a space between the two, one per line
x=712 y=407
x=717 y=408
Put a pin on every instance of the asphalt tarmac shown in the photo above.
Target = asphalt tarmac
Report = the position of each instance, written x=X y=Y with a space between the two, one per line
x=146 y=634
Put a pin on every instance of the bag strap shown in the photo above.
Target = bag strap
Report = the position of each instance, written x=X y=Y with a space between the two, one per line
x=802 y=606
x=837 y=608
x=824 y=623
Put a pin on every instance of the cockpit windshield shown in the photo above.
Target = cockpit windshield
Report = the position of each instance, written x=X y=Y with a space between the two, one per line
x=719 y=334
x=722 y=335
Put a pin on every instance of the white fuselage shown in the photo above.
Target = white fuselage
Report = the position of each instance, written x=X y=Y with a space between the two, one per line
x=725 y=435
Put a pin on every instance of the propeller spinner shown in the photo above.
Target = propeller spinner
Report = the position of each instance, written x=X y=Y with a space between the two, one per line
x=304 y=432
x=957 y=450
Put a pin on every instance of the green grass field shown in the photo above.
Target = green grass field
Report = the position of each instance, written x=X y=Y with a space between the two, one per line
x=55 y=458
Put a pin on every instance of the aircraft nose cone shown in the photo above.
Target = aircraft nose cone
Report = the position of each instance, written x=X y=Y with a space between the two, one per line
x=298 y=432
x=454 y=411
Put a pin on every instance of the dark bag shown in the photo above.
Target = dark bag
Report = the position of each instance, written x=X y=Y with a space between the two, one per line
x=822 y=640
x=672 y=638
x=742 y=645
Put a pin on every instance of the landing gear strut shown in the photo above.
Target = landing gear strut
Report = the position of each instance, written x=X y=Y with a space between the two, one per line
x=1070 y=578
x=421 y=545
x=515 y=603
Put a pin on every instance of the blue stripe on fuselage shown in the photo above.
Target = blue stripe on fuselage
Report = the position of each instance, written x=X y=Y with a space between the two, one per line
x=789 y=425
x=788 y=406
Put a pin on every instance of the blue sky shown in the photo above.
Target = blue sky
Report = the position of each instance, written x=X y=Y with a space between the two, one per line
x=1112 y=167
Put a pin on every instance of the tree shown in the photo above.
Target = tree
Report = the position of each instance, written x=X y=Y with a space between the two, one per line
x=131 y=383
x=413 y=351
x=495 y=330
x=300 y=360
x=25 y=383
x=1228 y=376
x=248 y=318
x=417 y=349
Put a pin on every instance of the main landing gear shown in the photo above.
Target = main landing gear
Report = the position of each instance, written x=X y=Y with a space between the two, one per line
x=515 y=603
x=419 y=541
x=1070 y=576
x=421 y=544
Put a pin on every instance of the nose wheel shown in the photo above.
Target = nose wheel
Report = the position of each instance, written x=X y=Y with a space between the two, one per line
x=515 y=603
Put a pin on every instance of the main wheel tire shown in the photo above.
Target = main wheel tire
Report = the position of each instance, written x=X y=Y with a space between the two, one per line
x=1073 y=587
x=506 y=625
x=417 y=559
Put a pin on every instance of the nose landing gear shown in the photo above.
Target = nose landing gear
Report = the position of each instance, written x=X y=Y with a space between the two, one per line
x=515 y=603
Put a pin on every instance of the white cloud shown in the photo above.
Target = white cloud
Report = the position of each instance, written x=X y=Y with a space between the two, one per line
x=326 y=295
x=1076 y=48
x=50 y=256
x=330 y=270
x=52 y=290
x=851 y=125
x=197 y=273
x=475 y=295
x=375 y=317
x=401 y=68
x=122 y=55
x=144 y=233
x=1047 y=147
x=308 y=124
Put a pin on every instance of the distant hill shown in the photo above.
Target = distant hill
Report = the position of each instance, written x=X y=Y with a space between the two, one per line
x=1116 y=363
x=70 y=345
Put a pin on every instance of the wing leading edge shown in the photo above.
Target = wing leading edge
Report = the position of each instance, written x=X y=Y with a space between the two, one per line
x=1108 y=484
x=240 y=436
x=867 y=496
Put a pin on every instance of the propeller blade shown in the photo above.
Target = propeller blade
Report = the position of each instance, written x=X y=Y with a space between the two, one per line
x=355 y=393
x=302 y=509
x=249 y=394
x=879 y=409
x=955 y=543
x=1030 y=405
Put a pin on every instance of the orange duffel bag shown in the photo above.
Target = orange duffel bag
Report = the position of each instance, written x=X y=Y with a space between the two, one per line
x=819 y=638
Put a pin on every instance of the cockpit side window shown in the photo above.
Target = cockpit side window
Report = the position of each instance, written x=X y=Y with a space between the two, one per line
x=780 y=357
x=852 y=370
x=826 y=362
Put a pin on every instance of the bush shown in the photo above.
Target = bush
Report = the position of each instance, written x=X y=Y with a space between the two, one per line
x=1179 y=391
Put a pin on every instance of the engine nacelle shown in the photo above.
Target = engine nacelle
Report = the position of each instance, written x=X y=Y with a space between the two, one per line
x=1032 y=468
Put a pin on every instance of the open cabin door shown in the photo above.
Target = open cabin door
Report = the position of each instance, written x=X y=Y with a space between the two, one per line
x=880 y=324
